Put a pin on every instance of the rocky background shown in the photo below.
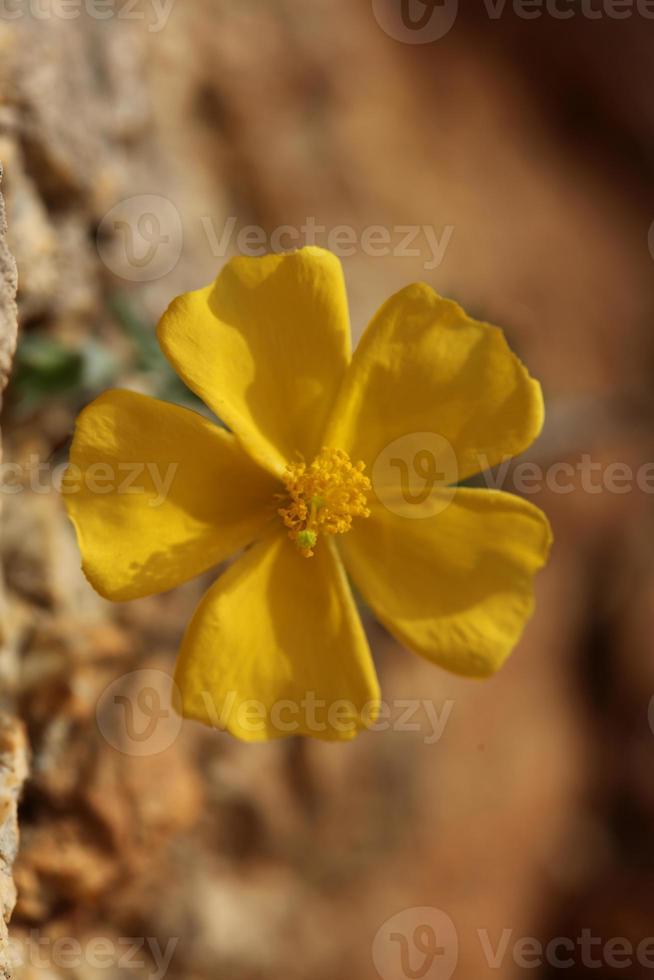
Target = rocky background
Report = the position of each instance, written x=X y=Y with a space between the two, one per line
x=533 y=142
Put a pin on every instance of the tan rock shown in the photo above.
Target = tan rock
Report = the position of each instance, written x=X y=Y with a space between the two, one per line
x=8 y=284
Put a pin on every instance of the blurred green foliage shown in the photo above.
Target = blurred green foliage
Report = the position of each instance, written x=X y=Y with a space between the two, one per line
x=48 y=368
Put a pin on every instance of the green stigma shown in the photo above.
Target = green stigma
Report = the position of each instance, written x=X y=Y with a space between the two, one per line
x=306 y=539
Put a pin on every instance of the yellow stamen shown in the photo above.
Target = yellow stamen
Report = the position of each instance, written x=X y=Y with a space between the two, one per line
x=323 y=498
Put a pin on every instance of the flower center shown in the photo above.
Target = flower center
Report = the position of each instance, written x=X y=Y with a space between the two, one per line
x=322 y=498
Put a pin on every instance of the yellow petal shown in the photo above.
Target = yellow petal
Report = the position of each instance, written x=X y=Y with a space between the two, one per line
x=276 y=648
x=265 y=346
x=423 y=366
x=158 y=494
x=456 y=588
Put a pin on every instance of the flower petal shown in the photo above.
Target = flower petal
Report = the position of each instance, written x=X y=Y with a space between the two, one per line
x=158 y=494
x=277 y=648
x=265 y=346
x=423 y=366
x=456 y=588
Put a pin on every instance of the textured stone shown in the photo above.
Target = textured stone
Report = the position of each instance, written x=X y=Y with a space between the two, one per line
x=8 y=316
x=13 y=771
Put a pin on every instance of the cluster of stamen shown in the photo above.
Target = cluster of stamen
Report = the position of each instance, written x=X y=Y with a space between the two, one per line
x=323 y=497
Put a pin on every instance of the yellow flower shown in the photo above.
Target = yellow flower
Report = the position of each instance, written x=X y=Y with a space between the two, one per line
x=267 y=348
